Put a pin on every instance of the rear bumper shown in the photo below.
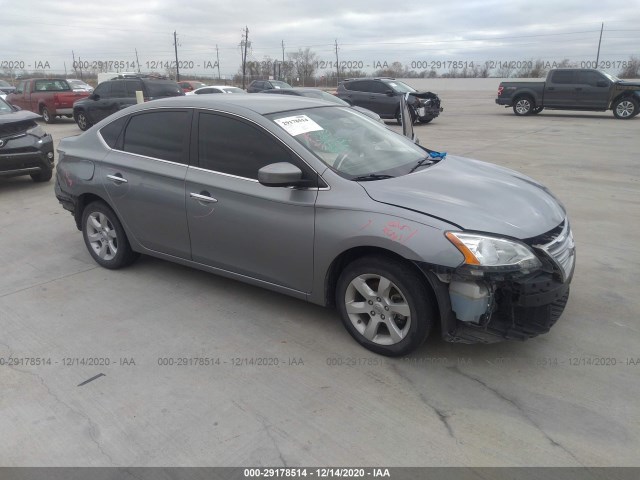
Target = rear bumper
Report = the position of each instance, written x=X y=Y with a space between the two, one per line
x=503 y=101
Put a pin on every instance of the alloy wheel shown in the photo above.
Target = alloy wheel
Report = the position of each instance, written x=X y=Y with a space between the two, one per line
x=102 y=236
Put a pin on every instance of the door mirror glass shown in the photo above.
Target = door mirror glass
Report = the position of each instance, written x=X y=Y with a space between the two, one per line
x=389 y=93
x=282 y=174
x=94 y=96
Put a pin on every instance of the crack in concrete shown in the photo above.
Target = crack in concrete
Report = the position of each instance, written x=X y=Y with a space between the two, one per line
x=92 y=425
x=441 y=414
x=47 y=282
x=520 y=409
x=267 y=428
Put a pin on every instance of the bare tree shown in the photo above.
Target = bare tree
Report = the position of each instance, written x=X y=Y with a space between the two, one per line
x=304 y=64
x=632 y=70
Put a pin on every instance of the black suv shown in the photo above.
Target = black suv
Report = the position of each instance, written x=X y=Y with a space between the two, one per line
x=382 y=95
x=261 y=85
x=119 y=93
x=25 y=148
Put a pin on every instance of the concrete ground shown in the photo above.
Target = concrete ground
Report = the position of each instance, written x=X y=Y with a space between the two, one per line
x=568 y=398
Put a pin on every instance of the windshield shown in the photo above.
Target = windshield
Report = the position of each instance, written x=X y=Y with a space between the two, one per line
x=279 y=84
x=349 y=143
x=400 y=86
x=613 y=78
x=4 y=84
x=5 y=107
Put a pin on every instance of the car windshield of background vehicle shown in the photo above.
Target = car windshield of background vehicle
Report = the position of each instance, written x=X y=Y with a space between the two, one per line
x=326 y=96
x=4 y=84
x=4 y=107
x=613 y=78
x=349 y=143
x=233 y=90
x=278 y=84
x=164 y=89
x=400 y=87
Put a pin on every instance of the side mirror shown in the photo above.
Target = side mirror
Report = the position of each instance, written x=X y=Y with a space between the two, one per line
x=94 y=96
x=389 y=93
x=602 y=83
x=16 y=108
x=282 y=174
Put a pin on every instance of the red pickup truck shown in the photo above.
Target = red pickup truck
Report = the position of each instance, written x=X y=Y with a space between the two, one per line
x=49 y=97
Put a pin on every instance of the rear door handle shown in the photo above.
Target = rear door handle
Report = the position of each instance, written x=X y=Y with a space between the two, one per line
x=203 y=197
x=117 y=178
x=551 y=88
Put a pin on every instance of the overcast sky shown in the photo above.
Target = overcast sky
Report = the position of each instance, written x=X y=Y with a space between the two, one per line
x=367 y=31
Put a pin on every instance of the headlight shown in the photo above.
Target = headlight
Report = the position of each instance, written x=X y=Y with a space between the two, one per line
x=37 y=131
x=493 y=253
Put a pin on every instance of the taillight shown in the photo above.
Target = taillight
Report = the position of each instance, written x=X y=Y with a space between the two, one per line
x=500 y=89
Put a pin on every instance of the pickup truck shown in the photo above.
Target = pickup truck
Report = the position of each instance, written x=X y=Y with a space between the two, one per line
x=573 y=89
x=49 y=97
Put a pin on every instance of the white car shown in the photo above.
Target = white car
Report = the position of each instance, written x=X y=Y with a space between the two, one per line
x=79 y=85
x=216 y=89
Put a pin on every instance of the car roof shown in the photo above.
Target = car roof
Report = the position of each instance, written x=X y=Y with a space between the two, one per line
x=262 y=104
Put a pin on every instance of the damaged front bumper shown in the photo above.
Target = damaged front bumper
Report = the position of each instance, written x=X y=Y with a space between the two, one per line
x=485 y=307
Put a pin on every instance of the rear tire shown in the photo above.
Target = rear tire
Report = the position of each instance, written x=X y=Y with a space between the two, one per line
x=625 y=108
x=537 y=110
x=384 y=305
x=523 y=105
x=46 y=116
x=425 y=119
x=105 y=238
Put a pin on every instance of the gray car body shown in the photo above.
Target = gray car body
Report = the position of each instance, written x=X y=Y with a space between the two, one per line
x=293 y=238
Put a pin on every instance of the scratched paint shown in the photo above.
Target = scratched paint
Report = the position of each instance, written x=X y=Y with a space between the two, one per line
x=399 y=232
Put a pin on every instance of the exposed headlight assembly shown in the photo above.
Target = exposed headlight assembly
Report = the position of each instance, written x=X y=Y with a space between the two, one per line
x=488 y=253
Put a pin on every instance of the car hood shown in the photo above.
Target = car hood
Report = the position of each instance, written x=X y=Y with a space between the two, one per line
x=625 y=83
x=15 y=117
x=474 y=195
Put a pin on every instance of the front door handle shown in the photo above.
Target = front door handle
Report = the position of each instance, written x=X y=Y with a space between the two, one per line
x=203 y=197
x=117 y=178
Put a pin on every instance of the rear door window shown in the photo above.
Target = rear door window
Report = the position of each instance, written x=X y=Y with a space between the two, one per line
x=161 y=134
x=563 y=76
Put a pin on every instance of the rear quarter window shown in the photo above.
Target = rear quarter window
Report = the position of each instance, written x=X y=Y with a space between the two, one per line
x=163 y=89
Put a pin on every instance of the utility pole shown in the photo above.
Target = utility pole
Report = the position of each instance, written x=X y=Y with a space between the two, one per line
x=599 y=42
x=74 y=62
x=218 y=62
x=337 y=65
x=175 y=44
x=137 y=61
x=65 y=69
x=244 y=43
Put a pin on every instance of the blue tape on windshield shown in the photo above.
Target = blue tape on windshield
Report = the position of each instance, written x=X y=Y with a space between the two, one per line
x=440 y=155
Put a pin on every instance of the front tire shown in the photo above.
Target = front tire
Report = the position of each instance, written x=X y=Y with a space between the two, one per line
x=384 y=305
x=425 y=119
x=625 y=108
x=105 y=238
x=82 y=121
x=523 y=106
x=43 y=176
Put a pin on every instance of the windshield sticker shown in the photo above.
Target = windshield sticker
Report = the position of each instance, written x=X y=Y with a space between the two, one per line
x=392 y=84
x=298 y=125
x=276 y=86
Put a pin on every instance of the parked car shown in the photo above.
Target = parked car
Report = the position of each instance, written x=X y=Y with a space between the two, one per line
x=49 y=97
x=25 y=148
x=216 y=89
x=382 y=95
x=261 y=85
x=573 y=89
x=322 y=95
x=79 y=85
x=190 y=85
x=309 y=199
x=6 y=88
x=113 y=95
